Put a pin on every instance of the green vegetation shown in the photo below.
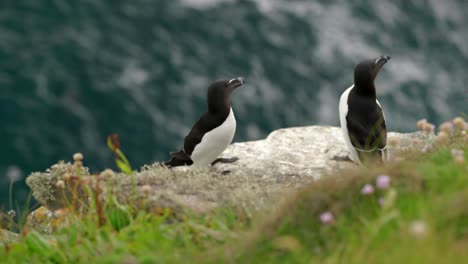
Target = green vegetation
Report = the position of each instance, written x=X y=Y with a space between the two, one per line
x=421 y=218
x=412 y=211
x=121 y=160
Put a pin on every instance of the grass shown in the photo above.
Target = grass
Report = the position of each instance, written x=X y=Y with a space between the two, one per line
x=422 y=217
x=424 y=220
x=143 y=238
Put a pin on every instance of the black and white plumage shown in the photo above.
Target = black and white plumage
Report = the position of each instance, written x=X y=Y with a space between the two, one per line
x=213 y=132
x=361 y=116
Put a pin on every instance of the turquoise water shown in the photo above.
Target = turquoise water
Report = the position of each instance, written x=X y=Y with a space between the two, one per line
x=73 y=72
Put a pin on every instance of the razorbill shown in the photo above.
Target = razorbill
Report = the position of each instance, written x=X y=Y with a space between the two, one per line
x=361 y=116
x=213 y=132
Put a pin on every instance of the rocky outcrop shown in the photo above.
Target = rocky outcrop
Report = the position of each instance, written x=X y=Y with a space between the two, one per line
x=264 y=170
x=303 y=153
x=7 y=237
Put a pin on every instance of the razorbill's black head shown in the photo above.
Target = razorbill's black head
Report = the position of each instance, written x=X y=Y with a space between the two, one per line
x=214 y=131
x=366 y=72
x=361 y=116
x=219 y=94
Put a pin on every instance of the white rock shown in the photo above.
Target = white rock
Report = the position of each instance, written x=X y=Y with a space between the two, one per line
x=297 y=152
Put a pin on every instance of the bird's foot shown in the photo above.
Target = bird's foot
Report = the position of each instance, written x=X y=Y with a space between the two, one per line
x=342 y=158
x=224 y=160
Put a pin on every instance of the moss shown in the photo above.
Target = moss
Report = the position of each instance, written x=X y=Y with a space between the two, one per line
x=7 y=237
x=43 y=184
x=198 y=190
x=155 y=188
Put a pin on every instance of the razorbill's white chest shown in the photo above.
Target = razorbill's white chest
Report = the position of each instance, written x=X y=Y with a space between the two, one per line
x=213 y=132
x=214 y=142
x=361 y=116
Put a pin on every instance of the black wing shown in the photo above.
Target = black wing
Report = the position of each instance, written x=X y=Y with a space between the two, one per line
x=205 y=124
x=202 y=126
x=382 y=128
x=366 y=126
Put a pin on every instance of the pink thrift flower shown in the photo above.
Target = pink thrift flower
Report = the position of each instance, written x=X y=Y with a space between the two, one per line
x=429 y=128
x=381 y=201
x=368 y=189
x=14 y=173
x=426 y=148
x=457 y=152
x=12 y=213
x=419 y=228
x=383 y=182
x=326 y=218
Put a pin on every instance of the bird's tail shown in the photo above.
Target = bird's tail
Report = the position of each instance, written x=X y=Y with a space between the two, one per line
x=376 y=155
x=179 y=158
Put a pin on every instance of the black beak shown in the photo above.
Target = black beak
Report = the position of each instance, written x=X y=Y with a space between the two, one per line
x=236 y=82
x=380 y=61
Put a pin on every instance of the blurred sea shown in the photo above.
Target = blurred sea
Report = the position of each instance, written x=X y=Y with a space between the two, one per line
x=73 y=72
